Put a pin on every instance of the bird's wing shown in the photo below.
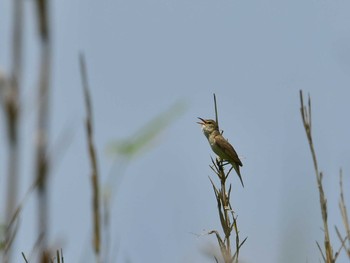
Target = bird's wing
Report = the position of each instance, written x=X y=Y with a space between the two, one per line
x=228 y=149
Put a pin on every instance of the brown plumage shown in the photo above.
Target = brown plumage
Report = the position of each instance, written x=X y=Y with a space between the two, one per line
x=220 y=145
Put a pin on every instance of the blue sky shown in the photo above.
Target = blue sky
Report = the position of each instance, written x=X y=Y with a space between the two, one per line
x=144 y=56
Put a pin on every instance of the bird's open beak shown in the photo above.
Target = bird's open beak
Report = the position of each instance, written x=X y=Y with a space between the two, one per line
x=201 y=123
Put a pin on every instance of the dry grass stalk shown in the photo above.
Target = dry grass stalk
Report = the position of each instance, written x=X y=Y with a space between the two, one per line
x=226 y=214
x=306 y=117
x=42 y=162
x=93 y=161
x=344 y=215
x=329 y=256
x=10 y=99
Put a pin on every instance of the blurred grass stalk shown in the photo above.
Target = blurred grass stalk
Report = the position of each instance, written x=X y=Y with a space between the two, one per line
x=329 y=256
x=10 y=99
x=125 y=151
x=42 y=162
x=93 y=160
x=226 y=214
x=10 y=95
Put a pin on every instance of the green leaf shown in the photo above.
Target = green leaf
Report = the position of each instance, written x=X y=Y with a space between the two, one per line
x=142 y=139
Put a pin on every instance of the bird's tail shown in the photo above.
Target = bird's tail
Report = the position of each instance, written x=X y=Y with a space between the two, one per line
x=236 y=167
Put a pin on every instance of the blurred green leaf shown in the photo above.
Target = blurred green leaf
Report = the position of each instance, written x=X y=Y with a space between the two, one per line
x=2 y=237
x=143 y=138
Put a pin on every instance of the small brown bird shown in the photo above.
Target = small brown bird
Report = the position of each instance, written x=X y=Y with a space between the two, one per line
x=220 y=145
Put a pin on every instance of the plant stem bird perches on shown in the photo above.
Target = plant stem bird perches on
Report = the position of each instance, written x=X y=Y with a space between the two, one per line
x=227 y=217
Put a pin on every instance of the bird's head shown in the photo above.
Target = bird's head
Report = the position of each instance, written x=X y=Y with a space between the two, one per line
x=208 y=126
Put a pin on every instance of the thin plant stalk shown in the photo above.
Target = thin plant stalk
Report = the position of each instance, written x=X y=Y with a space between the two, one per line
x=306 y=118
x=226 y=214
x=12 y=111
x=93 y=161
x=42 y=162
x=344 y=214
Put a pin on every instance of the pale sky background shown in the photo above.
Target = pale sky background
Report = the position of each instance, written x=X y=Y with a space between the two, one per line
x=145 y=55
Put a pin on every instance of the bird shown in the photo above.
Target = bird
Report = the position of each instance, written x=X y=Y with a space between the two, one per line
x=220 y=145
